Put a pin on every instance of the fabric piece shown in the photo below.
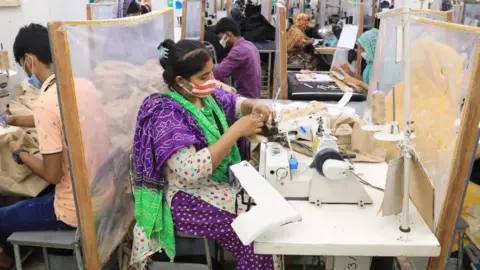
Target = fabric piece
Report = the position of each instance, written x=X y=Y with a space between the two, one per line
x=243 y=64
x=163 y=127
x=196 y=217
x=8 y=167
x=378 y=108
x=365 y=146
x=35 y=214
x=368 y=41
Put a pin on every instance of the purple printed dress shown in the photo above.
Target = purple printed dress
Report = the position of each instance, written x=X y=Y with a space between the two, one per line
x=199 y=205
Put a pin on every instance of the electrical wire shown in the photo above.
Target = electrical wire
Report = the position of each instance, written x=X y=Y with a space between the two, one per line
x=365 y=182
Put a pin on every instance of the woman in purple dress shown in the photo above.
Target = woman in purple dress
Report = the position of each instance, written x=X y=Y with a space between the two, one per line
x=185 y=141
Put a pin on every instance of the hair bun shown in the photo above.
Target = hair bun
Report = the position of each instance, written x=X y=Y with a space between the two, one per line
x=164 y=50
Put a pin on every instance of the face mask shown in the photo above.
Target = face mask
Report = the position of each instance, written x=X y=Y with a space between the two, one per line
x=365 y=56
x=33 y=80
x=223 y=41
x=204 y=89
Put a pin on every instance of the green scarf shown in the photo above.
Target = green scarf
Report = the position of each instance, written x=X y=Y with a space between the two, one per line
x=207 y=124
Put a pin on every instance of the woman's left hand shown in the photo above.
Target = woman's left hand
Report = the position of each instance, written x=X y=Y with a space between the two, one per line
x=262 y=110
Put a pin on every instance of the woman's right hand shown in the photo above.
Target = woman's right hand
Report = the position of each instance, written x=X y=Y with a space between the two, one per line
x=347 y=69
x=248 y=125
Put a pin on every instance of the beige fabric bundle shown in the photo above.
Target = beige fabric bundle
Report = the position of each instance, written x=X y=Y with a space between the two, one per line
x=378 y=108
x=346 y=128
x=4 y=60
x=18 y=179
x=313 y=107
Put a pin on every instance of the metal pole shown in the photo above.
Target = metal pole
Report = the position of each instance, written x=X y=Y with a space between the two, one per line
x=405 y=227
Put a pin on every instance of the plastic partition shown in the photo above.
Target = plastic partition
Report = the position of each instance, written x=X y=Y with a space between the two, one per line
x=193 y=19
x=267 y=10
x=433 y=15
x=102 y=11
x=280 y=82
x=442 y=63
x=99 y=127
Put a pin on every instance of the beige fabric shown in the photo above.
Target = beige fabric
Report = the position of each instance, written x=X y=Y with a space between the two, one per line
x=378 y=108
x=313 y=107
x=365 y=146
x=350 y=137
x=18 y=179
x=4 y=61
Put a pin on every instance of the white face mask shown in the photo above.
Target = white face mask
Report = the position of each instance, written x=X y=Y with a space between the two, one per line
x=365 y=56
x=223 y=41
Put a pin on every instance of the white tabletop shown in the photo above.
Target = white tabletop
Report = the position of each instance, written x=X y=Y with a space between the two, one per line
x=348 y=230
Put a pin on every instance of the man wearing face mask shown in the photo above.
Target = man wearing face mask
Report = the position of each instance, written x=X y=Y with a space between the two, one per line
x=242 y=62
x=367 y=43
x=54 y=210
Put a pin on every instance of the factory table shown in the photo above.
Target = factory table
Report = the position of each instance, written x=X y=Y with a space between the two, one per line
x=298 y=90
x=348 y=230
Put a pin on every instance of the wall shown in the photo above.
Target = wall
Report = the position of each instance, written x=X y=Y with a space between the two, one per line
x=37 y=11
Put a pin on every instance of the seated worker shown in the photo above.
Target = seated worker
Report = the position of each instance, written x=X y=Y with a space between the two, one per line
x=366 y=45
x=184 y=143
x=55 y=210
x=242 y=62
x=133 y=8
x=299 y=47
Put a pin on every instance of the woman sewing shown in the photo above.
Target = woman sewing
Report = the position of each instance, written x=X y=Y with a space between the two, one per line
x=299 y=47
x=366 y=45
x=185 y=141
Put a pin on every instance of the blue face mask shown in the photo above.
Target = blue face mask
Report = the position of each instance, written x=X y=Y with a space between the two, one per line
x=35 y=82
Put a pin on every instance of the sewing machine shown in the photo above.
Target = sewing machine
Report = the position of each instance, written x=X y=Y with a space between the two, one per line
x=300 y=128
x=330 y=179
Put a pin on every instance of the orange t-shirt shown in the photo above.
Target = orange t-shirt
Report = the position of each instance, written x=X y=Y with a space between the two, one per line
x=51 y=140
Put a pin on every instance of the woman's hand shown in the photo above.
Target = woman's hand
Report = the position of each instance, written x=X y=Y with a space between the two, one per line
x=261 y=110
x=347 y=69
x=248 y=125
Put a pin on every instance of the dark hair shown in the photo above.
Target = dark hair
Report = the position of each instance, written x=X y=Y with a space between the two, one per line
x=136 y=7
x=227 y=25
x=185 y=58
x=33 y=39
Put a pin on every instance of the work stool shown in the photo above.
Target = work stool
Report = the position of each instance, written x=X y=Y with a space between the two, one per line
x=67 y=240
x=460 y=227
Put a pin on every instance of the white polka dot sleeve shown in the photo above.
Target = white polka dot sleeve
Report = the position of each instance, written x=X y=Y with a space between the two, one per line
x=190 y=165
x=238 y=107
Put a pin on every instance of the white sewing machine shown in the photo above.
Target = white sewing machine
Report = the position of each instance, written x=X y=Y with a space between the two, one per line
x=328 y=180
x=300 y=128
